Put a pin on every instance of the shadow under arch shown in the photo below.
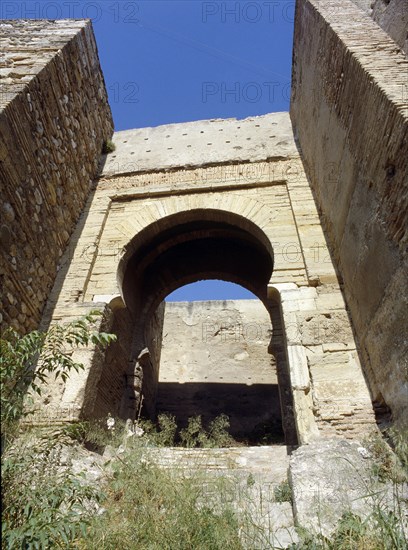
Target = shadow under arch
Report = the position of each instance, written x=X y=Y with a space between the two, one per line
x=176 y=250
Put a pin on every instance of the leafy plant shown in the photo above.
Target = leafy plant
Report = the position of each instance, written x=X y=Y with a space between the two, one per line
x=94 y=434
x=44 y=505
x=218 y=434
x=194 y=435
x=167 y=430
x=164 y=432
x=27 y=361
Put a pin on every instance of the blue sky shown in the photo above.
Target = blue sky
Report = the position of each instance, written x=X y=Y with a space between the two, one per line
x=189 y=60
x=177 y=61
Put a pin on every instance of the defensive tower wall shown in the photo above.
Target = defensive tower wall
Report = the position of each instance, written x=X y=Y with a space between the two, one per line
x=54 y=119
x=350 y=116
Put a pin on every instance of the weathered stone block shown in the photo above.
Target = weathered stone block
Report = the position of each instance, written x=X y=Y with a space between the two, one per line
x=330 y=478
x=319 y=328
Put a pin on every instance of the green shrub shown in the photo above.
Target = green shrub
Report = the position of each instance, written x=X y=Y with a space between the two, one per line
x=218 y=434
x=43 y=504
x=164 y=432
x=194 y=435
x=27 y=361
x=167 y=429
x=94 y=434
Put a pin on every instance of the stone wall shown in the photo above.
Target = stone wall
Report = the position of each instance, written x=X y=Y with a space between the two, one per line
x=215 y=360
x=53 y=121
x=119 y=374
x=111 y=385
x=350 y=116
x=392 y=16
x=150 y=374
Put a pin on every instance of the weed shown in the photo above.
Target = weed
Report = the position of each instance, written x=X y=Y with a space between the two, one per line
x=283 y=492
x=152 y=508
x=27 y=361
x=108 y=147
x=218 y=433
x=43 y=504
x=380 y=531
x=94 y=434
x=387 y=464
x=399 y=442
x=165 y=433
x=194 y=435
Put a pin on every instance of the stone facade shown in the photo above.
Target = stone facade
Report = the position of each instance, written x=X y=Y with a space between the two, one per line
x=54 y=118
x=350 y=115
x=254 y=223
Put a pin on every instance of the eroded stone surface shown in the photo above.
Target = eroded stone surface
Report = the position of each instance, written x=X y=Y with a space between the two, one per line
x=201 y=143
x=330 y=478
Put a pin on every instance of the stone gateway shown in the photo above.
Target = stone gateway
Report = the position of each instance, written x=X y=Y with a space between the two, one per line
x=307 y=209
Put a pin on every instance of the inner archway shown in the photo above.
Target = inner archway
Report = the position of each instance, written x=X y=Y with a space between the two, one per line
x=216 y=359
